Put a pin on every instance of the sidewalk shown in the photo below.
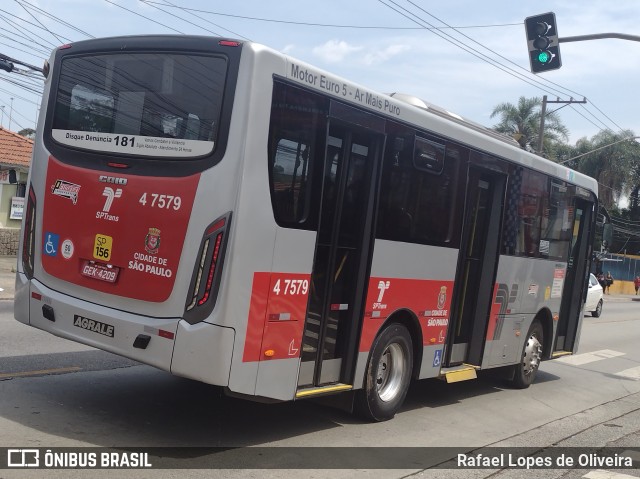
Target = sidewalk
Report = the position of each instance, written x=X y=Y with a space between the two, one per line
x=8 y=265
x=620 y=297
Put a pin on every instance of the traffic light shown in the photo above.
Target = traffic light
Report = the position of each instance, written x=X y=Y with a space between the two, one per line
x=542 y=40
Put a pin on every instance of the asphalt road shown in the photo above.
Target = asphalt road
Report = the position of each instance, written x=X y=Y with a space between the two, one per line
x=55 y=393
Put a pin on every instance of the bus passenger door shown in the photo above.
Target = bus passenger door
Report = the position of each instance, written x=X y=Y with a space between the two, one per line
x=342 y=255
x=572 y=293
x=477 y=264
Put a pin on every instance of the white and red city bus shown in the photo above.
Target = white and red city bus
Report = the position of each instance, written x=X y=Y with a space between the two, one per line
x=229 y=214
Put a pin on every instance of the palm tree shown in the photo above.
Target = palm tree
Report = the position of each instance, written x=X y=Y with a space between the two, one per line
x=522 y=122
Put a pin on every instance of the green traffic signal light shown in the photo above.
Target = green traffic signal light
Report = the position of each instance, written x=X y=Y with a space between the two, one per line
x=544 y=57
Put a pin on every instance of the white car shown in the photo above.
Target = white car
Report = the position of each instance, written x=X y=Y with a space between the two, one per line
x=594 y=297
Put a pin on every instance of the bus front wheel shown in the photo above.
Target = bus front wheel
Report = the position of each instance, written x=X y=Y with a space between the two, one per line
x=388 y=374
x=525 y=372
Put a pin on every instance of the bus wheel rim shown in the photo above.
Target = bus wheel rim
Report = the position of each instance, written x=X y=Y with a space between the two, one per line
x=390 y=372
x=532 y=355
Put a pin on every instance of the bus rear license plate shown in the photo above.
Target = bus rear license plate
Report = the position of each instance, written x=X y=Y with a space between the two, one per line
x=100 y=271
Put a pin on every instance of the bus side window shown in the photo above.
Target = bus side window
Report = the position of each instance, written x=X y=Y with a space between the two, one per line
x=297 y=136
x=417 y=206
x=290 y=170
x=538 y=216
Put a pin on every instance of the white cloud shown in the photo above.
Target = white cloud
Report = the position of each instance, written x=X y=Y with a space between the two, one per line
x=381 y=56
x=335 y=51
x=288 y=49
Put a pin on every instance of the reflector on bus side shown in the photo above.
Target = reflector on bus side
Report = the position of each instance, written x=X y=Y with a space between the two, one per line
x=208 y=270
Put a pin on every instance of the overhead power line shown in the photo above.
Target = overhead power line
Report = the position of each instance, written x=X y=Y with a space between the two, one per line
x=469 y=49
x=146 y=18
x=416 y=18
x=323 y=25
x=169 y=4
x=38 y=21
x=57 y=19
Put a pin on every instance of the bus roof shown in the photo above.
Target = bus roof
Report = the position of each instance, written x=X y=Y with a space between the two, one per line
x=426 y=115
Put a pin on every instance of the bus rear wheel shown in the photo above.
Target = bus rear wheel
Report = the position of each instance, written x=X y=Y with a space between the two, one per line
x=388 y=374
x=525 y=372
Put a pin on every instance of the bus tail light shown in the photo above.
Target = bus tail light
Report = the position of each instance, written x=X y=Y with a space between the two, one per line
x=208 y=271
x=29 y=234
x=229 y=43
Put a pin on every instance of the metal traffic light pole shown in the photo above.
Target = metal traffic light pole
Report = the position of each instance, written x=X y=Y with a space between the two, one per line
x=599 y=36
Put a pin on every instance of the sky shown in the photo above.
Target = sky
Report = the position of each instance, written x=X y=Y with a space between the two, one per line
x=405 y=46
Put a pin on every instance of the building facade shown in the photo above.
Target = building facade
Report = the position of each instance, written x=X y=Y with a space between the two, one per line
x=15 y=159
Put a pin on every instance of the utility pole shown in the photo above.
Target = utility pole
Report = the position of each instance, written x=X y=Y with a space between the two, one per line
x=2 y=121
x=543 y=113
x=10 y=113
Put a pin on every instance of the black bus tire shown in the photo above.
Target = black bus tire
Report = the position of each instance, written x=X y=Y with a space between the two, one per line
x=388 y=374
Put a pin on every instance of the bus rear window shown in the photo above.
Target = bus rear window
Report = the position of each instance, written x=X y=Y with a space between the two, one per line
x=149 y=104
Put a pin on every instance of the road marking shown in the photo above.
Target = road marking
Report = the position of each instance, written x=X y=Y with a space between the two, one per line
x=585 y=358
x=40 y=372
x=631 y=373
x=599 y=474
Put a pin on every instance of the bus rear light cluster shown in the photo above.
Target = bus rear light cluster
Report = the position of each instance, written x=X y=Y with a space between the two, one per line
x=29 y=234
x=212 y=270
x=207 y=274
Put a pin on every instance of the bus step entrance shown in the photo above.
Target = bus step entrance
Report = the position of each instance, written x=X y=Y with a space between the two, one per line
x=559 y=354
x=320 y=390
x=454 y=374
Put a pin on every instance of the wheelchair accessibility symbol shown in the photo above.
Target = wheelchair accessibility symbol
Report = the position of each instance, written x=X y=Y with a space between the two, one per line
x=50 y=245
x=437 y=358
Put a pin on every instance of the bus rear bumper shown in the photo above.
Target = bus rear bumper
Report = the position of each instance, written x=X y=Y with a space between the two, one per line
x=96 y=325
x=203 y=352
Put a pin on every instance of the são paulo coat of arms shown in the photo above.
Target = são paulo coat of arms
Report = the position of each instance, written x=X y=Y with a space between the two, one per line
x=152 y=241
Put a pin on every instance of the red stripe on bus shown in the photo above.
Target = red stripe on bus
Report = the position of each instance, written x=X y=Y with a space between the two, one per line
x=267 y=329
x=273 y=293
x=429 y=300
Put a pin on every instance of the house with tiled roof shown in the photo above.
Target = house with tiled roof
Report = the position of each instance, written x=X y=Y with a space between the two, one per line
x=15 y=159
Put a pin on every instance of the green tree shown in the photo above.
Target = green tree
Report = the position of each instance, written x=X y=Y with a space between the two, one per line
x=615 y=166
x=28 y=132
x=522 y=122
